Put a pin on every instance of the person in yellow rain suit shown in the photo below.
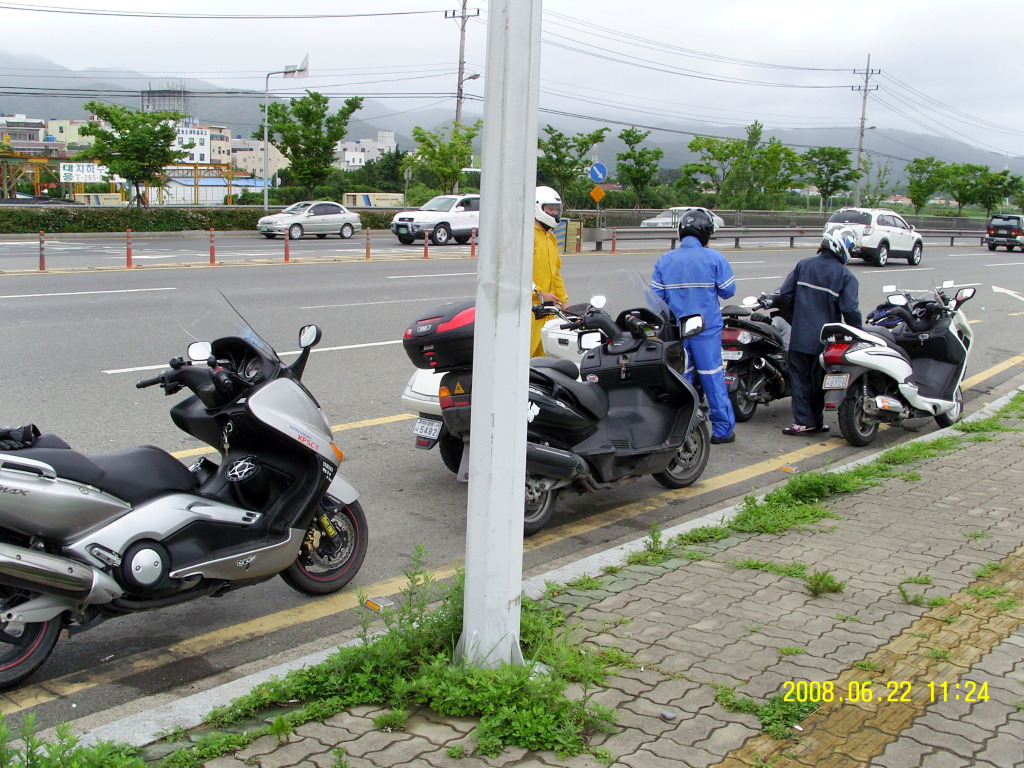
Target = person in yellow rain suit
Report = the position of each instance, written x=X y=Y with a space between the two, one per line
x=547 y=264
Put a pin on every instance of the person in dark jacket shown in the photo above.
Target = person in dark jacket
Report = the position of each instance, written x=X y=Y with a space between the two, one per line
x=691 y=279
x=819 y=290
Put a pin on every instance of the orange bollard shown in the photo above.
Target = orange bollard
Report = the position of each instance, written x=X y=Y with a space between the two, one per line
x=367 y=244
x=287 y=249
x=213 y=251
x=42 y=251
x=128 y=246
x=613 y=241
x=426 y=244
x=579 y=240
x=472 y=244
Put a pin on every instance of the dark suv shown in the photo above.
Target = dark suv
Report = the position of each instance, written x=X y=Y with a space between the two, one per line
x=1004 y=229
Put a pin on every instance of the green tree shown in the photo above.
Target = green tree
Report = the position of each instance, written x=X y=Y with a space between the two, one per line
x=638 y=165
x=717 y=157
x=878 y=183
x=993 y=188
x=306 y=134
x=564 y=158
x=761 y=172
x=137 y=146
x=443 y=156
x=963 y=182
x=829 y=169
x=924 y=179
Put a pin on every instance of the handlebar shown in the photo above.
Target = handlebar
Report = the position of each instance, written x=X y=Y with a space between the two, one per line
x=149 y=382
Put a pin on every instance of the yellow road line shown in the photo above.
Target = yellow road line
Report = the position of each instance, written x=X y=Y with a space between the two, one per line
x=997 y=368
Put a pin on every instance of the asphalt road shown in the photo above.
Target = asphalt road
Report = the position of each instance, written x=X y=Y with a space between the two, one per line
x=73 y=344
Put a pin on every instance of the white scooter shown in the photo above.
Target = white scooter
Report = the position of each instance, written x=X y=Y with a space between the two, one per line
x=907 y=362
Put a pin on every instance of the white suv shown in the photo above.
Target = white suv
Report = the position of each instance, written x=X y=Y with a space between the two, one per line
x=881 y=233
x=445 y=217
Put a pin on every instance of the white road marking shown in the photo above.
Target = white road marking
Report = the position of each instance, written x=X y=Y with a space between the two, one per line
x=82 y=293
x=395 y=301
x=142 y=256
x=766 y=277
x=414 y=277
x=912 y=269
x=1008 y=264
x=282 y=354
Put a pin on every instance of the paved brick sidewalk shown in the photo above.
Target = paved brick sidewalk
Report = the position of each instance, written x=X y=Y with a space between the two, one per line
x=932 y=615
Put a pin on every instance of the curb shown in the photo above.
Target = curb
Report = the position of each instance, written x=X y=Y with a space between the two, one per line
x=148 y=726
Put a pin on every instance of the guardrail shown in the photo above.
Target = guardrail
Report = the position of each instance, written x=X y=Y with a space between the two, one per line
x=616 y=235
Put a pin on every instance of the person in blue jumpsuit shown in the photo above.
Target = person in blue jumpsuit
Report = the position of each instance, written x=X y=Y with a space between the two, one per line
x=691 y=279
x=819 y=290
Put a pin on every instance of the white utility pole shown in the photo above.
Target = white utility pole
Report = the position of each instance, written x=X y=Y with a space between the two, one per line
x=497 y=451
x=292 y=70
x=868 y=72
x=462 y=17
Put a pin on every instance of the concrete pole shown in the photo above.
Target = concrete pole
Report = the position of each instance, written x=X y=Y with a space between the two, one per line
x=497 y=458
x=860 y=134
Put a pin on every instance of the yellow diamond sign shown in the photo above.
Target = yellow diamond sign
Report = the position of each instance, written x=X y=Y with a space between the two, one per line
x=598 y=194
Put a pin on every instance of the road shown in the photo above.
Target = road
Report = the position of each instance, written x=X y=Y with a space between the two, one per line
x=75 y=342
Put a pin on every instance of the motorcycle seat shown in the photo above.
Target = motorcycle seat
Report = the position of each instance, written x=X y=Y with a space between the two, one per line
x=735 y=310
x=890 y=341
x=134 y=475
x=563 y=373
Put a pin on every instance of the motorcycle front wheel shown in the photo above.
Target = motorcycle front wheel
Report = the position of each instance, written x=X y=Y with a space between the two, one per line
x=23 y=647
x=325 y=565
x=857 y=427
x=691 y=459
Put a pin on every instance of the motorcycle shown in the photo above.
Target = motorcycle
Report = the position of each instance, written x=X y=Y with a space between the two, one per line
x=88 y=538
x=912 y=369
x=754 y=342
x=633 y=414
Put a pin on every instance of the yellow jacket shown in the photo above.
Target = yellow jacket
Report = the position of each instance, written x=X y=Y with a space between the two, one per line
x=547 y=277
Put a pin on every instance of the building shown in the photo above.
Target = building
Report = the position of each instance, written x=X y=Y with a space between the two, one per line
x=247 y=154
x=193 y=140
x=69 y=132
x=349 y=155
x=15 y=128
x=219 y=145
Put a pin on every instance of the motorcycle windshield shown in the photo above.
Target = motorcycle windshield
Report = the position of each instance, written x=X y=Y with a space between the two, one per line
x=208 y=315
x=628 y=289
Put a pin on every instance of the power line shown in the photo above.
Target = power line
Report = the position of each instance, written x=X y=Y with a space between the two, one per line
x=227 y=16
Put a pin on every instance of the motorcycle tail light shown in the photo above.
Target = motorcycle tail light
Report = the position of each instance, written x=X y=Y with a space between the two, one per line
x=835 y=353
x=444 y=397
x=462 y=319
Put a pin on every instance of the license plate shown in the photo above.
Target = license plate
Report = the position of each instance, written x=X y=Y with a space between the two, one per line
x=836 y=381
x=402 y=230
x=732 y=354
x=428 y=428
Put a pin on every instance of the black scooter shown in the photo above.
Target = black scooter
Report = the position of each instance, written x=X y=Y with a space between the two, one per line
x=633 y=414
x=754 y=353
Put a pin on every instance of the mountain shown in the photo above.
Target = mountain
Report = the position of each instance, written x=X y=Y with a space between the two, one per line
x=38 y=87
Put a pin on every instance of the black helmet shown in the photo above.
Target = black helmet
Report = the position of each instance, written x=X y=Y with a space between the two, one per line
x=699 y=223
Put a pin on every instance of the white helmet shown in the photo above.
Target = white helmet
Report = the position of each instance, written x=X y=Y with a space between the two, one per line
x=838 y=242
x=548 y=196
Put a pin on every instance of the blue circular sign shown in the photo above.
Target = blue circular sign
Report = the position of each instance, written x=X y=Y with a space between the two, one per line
x=598 y=173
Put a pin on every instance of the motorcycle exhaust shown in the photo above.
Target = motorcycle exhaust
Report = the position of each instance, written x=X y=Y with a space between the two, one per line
x=53 y=575
x=761 y=364
x=553 y=462
x=890 y=405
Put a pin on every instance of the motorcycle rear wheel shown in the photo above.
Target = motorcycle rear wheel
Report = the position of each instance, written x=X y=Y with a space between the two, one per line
x=22 y=654
x=320 y=571
x=691 y=459
x=743 y=407
x=538 y=506
x=855 y=425
x=451 y=449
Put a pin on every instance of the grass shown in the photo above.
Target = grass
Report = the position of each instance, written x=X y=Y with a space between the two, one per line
x=777 y=715
x=795 y=570
x=821 y=582
x=791 y=650
x=867 y=664
x=988 y=570
x=585 y=582
x=938 y=654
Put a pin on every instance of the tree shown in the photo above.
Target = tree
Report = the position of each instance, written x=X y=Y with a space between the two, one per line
x=924 y=179
x=137 y=146
x=761 y=172
x=637 y=165
x=443 y=157
x=306 y=134
x=993 y=188
x=877 y=188
x=564 y=158
x=717 y=158
x=963 y=181
x=829 y=169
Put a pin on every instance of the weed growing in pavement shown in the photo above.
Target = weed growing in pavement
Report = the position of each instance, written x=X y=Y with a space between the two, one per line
x=456 y=751
x=391 y=721
x=1018 y=706
x=935 y=602
x=705 y=534
x=603 y=756
x=991 y=424
x=820 y=582
x=985 y=591
x=65 y=751
x=609 y=570
x=552 y=589
x=909 y=599
x=1006 y=604
x=867 y=664
x=585 y=582
x=795 y=570
x=777 y=715
x=281 y=728
x=978 y=535
x=918 y=580
x=938 y=654
x=911 y=477
x=988 y=570
x=791 y=650
x=339 y=759
x=844 y=617
x=752 y=628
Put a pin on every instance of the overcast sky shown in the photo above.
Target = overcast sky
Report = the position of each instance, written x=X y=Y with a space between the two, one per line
x=947 y=68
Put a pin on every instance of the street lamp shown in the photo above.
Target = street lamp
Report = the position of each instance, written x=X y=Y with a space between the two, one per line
x=459 y=98
x=292 y=70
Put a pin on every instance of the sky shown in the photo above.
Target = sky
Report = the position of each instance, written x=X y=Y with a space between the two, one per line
x=944 y=68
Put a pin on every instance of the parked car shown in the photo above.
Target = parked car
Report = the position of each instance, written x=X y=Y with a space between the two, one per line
x=311 y=217
x=445 y=217
x=671 y=217
x=1006 y=229
x=881 y=233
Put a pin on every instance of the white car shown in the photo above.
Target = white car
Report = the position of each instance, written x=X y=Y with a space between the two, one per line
x=881 y=233
x=311 y=217
x=446 y=217
x=671 y=217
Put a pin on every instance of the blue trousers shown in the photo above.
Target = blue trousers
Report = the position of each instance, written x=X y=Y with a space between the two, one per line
x=704 y=353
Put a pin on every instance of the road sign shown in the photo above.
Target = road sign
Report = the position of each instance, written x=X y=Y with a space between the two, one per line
x=598 y=194
x=82 y=172
x=598 y=173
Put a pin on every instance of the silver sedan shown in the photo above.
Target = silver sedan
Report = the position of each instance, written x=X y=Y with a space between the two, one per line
x=318 y=217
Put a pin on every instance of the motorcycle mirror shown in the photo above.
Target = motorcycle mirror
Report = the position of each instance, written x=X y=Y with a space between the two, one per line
x=309 y=335
x=199 y=351
x=750 y=301
x=691 y=325
x=964 y=294
x=898 y=300
x=590 y=340
x=888 y=289
x=598 y=302
x=947 y=283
